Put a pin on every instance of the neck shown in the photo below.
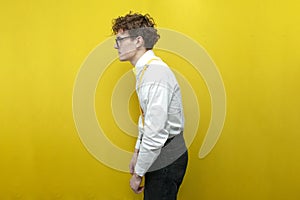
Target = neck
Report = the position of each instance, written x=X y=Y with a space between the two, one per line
x=137 y=56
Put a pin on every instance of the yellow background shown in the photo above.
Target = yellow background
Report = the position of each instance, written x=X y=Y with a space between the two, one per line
x=255 y=45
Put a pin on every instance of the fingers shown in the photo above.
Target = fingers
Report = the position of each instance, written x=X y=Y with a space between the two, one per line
x=135 y=184
x=139 y=190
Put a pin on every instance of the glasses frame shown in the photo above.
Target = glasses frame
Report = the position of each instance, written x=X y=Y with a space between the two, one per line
x=119 y=39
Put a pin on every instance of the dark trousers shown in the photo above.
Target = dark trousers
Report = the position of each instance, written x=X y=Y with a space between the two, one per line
x=163 y=184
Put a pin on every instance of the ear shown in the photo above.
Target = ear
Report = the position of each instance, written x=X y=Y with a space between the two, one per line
x=139 y=42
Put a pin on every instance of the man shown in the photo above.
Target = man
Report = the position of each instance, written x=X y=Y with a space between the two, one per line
x=160 y=152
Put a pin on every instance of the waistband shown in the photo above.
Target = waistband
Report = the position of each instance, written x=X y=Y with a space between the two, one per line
x=170 y=139
x=173 y=148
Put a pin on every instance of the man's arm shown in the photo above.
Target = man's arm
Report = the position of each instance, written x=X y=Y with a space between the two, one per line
x=133 y=161
x=156 y=114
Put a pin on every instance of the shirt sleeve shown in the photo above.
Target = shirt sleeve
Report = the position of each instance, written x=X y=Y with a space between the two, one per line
x=155 y=103
x=141 y=133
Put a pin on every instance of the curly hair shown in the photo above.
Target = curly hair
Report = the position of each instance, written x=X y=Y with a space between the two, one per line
x=137 y=25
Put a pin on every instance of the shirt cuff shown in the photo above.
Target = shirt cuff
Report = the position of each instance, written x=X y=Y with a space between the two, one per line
x=137 y=144
x=139 y=171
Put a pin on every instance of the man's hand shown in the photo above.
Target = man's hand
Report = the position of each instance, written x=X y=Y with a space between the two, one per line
x=135 y=183
x=133 y=162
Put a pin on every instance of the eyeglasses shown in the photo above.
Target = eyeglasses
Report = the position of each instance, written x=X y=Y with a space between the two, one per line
x=118 y=39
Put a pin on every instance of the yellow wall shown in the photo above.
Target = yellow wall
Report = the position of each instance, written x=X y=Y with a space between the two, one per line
x=255 y=45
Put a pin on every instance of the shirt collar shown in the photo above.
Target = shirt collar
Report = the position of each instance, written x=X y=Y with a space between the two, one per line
x=145 y=58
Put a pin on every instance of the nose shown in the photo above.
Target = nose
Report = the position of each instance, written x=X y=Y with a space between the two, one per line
x=115 y=46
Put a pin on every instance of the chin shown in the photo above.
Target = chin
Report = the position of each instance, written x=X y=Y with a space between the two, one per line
x=121 y=58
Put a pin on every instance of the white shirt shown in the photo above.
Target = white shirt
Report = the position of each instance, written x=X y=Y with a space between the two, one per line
x=160 y=99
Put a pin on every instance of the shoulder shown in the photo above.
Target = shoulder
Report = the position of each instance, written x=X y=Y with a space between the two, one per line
x=158 y=71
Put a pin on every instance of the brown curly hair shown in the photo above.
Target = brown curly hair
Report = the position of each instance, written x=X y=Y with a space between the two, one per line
x=137 y=25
